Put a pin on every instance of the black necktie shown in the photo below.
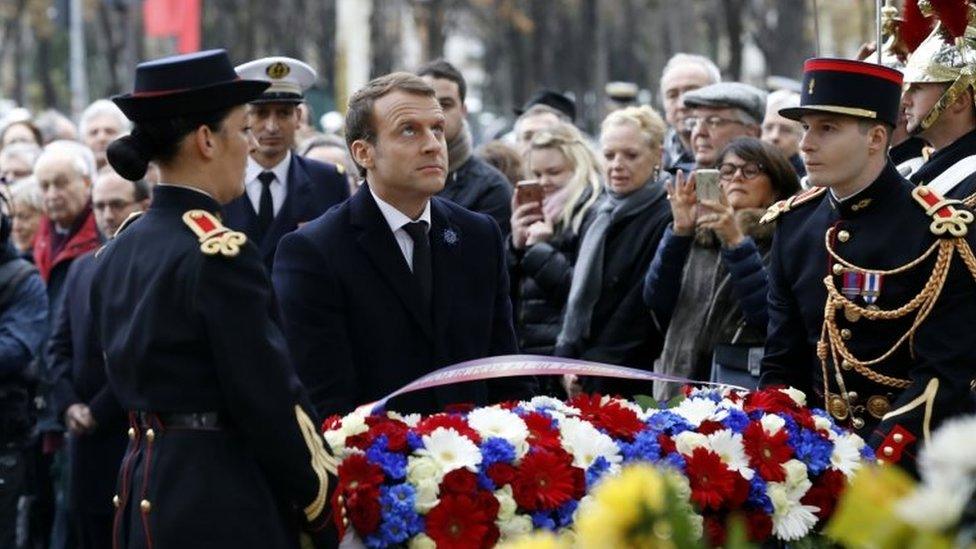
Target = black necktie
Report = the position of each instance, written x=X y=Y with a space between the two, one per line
x=421 y=258
x=266 y=207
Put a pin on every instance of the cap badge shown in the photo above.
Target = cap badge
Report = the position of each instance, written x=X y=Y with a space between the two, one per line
x=277 y=70
x=813 y=81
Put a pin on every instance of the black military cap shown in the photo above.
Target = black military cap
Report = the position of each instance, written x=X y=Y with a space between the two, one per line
x=187 y=84
x=854 y=88
x=552 y=99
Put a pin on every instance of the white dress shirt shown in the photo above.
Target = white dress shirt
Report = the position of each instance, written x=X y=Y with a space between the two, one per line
x=396 y=219
x=279 y=187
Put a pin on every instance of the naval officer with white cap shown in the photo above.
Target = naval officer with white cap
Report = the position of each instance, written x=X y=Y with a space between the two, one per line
x=282 y=189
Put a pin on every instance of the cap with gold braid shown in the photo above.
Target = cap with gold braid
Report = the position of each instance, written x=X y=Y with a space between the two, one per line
x=948 y=55
x=289 y=78
x=852 y=88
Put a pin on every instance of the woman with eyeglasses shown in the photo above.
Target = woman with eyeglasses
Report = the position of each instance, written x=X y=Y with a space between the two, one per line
x=605 y=319
x=545 y=235
x=707 y=283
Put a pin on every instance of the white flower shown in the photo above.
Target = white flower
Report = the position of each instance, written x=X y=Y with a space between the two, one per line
x=792 y=520
x=797 y=395
x=351 y=425
x=687 y=441
x=728 y=446
x=586 y=444
x=823 y=424
x=451 y=450
x=411 y=420
x=518 y=525
x=932 y=509
x=549 y=403
x=427 y=494
x=695 y=410
x=772 y=423
x=945 y=461
x=846 y=456
x=797 y=482
x=506 y=503
x=423 y=468
x=422 y=541
x=495 y=422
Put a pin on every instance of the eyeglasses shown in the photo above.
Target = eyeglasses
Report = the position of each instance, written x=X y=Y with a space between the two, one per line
x=712 y=122
x=750 y=170
x=114 y=205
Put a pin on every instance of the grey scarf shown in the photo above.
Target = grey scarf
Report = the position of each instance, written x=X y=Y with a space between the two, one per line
x=588 y=271
x=459 y=149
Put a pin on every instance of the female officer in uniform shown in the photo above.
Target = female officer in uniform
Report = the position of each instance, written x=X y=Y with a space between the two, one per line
x=223 y=452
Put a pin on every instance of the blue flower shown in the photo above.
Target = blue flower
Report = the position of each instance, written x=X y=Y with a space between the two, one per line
x=400 y=520
x=665 y=420
x=394 y=465
x=813 y=449
x=758 y=496
x=737 y=420
x=495 y=450
x=645 y=447
x=541 y=519
x=564 y=515
x=414 y=441
x=596 y=469
x=868 y=453
x=399 y=497
x=485 y=482
x=675 y=461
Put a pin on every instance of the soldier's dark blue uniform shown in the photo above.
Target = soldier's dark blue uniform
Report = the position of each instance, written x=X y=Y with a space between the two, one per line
x=223 y=451
x=961 y=151
x=825 y=336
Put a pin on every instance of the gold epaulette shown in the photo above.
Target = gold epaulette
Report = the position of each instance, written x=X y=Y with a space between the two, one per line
x=214 y=237
x=784 y=206
x=946 y=218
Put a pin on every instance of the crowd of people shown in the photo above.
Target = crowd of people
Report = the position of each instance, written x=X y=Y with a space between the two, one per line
x=362 y=259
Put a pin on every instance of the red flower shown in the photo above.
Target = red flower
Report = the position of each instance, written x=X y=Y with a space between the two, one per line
x=712 y=483
x=501 y=473
x=767 y=453
x=709 y=426
x=459 y=481
x=825 y=493
x=394 y=429
x=612 y=417
x=363 y=509
x=714 y=526
x=759 y=525
x=547 y=479
x=667 y=443
x=458 y=423
x=770 y=400
x=462 y=521
x=541 y=431
x=459 y=408
x=332 y=422
x=740 y=491
x=356 y=472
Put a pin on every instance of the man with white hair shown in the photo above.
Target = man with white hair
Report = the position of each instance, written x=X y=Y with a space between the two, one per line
x=64 y=172
x=101 y=123
x=682 y=73
x=781 y=132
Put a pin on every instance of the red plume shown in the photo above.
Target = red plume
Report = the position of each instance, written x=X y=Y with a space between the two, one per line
x=954 y=15
x=915 y=27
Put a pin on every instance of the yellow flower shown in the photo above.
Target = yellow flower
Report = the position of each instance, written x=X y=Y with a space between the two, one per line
x=627 y=510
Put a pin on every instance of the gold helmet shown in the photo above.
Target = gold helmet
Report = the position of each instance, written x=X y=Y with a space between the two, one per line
x=948 y=55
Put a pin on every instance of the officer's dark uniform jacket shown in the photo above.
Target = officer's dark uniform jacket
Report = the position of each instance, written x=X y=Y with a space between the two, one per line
x=221 y=436
x=898 y=401
x=961 y=152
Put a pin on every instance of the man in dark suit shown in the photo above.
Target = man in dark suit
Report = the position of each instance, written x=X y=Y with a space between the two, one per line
x=81 y=395
x=282 y=189
x=395 y=282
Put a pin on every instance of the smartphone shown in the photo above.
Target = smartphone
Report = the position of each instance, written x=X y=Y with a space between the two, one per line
x=707 y=185
x=529 y=190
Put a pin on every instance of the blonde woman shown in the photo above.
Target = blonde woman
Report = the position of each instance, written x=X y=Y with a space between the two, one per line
x=605 y=319
x=28 y=207
x=545 y=235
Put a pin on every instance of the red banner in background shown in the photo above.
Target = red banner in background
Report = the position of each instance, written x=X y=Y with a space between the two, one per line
x=178 y=19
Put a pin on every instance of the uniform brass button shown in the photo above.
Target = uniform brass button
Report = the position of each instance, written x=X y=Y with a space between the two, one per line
x=116 y=501
x=341 y=500
x=838 y=268
x=145 y=506
x=843 y=236
x=845 y=334
x=132 y=433
x=345 y=521
x=852 y=395
x=898 y=438
x=845 y=365
x=857 y=423
x=888 y=451
x=150 y=435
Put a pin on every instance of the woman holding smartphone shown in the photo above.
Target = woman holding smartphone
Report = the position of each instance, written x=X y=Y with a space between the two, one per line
x=707 y=283
x=548 y=212
x=605 y=319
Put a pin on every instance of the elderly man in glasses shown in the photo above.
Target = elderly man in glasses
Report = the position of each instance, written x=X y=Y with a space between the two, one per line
x=720 y=113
